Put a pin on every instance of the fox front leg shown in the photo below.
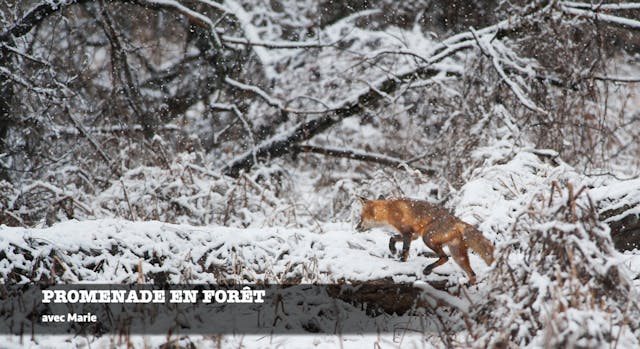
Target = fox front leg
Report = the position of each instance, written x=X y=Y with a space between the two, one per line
x=406 y=243
x=392 y=243
x=442 y=258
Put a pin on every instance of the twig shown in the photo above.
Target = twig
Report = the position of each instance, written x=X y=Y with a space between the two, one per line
x=233 y=108
x=57 y=191
x=554 y=185
x=126 y=198
x=619 y=79
x=140 y=274
x=572 y=203
x=93 y=142
x=256 y=90
x=489 y=50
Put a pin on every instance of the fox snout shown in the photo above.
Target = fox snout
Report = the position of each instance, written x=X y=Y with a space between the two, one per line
x=364 y=224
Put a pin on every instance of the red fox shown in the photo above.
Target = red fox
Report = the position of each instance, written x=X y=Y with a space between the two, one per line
x=438 y=228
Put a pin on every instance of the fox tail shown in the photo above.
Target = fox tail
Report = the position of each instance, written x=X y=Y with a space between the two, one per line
x=477 y=242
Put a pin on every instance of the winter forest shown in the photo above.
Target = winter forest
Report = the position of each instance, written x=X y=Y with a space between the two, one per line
x=228 y=142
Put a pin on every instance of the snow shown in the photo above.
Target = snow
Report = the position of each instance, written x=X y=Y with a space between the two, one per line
x=495 y=200
x=286 y=222
x=402 y=339
x=273 y=254
x=269 y=254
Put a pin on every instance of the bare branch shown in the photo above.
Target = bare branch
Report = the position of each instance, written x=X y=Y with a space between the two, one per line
x=256 y=90
x=122 y=72
x=489 y=50
x=60 y=194
x=603 y=7
x=614 y=20
x=618 y=79
x=363 y=156
x=25 y=55
x=234 y=109
x=275 y=44
x=93 y=142
x=283 y=143
x=113 y=129
x=46 y=8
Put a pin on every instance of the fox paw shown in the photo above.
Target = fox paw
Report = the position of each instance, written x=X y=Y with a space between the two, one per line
x=427 y=271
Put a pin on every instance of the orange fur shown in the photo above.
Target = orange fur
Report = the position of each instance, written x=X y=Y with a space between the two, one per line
x=437 y=227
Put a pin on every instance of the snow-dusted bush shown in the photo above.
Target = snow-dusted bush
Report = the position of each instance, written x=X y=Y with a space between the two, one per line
x=557 y=280
x=188 y=193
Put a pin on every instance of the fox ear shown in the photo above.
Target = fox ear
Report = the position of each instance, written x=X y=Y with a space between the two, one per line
x=362 y=199
x=380 y=197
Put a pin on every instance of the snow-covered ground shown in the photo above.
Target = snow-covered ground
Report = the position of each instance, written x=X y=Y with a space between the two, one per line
x=401 y=340
x=269 y=254
x=188 y=255
x=116 y=250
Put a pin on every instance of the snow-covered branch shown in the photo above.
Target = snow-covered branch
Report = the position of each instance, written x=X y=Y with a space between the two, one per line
x=617 y=79
x=354 y=104
x=602 y=6
x=194 y=16
x=271 y=44
x=113 y=129
x=362 y=156
x=34 y=16
x=627 y=23
x=256 y=90
x=59 y=193
x=487 y=47
x=233 y=108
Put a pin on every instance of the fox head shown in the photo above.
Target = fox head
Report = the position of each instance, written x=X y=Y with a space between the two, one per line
x=360 y=226
x=368 y=216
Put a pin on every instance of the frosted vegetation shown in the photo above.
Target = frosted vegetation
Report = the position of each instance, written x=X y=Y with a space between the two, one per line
x=227 y=141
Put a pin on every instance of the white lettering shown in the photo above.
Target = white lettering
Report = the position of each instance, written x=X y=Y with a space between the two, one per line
x=220 y=296
x=207 y=295
x=52 y=318
x=88 y=317
x=158 y=296
x=234 y=296
x=46 y=296
x=258 y=294
x=61 y=296
x=73 y=296
x=117 y=296
x=176 y=296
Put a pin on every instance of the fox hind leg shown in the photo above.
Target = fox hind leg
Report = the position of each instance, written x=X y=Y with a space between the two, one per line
x=460 y=255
